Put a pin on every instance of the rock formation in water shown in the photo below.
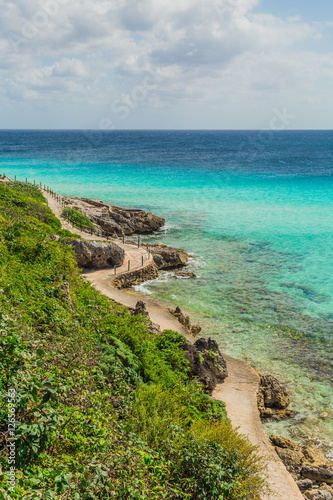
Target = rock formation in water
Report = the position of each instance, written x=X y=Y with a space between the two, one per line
x=115 y=220
x=168 y=257
x=312 y=471
x=97 y=254
x=273 y=399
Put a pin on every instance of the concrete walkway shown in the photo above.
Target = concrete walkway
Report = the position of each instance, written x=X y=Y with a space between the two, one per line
x=239 y=390
x=134 y=255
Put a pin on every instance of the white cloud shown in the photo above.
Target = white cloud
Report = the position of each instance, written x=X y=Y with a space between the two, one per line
x=215 y=54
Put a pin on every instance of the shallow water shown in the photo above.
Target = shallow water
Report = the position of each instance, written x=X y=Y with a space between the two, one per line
x=258 y=221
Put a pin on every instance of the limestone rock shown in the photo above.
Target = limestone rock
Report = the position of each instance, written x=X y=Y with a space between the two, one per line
x=207 y=364
x=315 y=457
x=5 y=179
x=282 y=442
x=65 y=288
x=116 y=220
x=318 y=474
x=273 y=399
x=135 y=277
x=326 y=487
x=274 y=395
x=168 y=257
x=140 y=308
x=292 y=459
x=318 y=495
x=154 y=328
x=97 y=254
x=185 y=321
x=303 y=461
x=304 y=484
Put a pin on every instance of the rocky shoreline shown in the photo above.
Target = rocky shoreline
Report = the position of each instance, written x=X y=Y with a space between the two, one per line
x=309 y=467
x=115 y=220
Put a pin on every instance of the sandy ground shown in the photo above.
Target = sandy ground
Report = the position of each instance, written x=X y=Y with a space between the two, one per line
x=239 y=390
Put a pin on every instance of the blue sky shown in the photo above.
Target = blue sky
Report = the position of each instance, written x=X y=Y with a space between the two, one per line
x=168 y=64
x=321 y=10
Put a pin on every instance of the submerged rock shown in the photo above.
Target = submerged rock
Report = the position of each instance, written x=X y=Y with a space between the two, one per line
x=97 y=254
x=183 y=274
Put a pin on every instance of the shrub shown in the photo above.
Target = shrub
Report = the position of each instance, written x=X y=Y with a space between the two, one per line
x=77 y=219
x=104 y=409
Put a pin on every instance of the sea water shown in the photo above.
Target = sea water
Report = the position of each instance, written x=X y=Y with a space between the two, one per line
x=254 y=209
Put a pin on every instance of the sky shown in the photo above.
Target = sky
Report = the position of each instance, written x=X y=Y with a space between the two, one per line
x=166 y=64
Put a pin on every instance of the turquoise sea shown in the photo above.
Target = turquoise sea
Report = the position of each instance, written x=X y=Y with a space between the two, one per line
x=255 y=209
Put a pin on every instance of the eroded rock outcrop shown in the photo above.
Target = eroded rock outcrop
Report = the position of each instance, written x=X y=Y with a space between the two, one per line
x=308 y=466
x=140 y=309
x=206 y=362
x=168 y=257
x=97 y=254
x=185 y=321
x=318 y=495
x=273 y=399
x=116 y=220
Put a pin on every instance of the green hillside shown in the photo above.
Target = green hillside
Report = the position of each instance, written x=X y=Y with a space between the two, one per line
x=103 y=408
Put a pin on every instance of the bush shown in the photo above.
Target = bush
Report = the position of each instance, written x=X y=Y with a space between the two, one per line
x=104 y=409
x=78 y=220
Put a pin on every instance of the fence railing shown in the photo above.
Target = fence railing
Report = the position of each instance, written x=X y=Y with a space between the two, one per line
x=103 y=234
x=89 y=230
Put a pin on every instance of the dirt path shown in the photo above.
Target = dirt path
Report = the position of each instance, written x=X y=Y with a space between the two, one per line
x=239 y=391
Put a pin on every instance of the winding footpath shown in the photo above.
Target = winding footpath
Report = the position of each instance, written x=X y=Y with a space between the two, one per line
x=238 y=391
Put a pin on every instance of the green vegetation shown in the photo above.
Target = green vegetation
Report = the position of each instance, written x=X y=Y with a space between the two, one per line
x=104 y=409
x=78 y=220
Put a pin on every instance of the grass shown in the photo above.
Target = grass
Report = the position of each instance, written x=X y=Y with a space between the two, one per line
x=103 y=409
x=78 y=220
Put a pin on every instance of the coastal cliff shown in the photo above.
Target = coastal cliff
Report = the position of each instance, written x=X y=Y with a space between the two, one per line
x=116 y=220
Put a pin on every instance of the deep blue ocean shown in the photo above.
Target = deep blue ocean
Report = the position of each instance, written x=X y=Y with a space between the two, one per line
x=255 y=209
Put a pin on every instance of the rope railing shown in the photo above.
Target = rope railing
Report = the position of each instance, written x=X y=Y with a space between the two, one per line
x=102 y=234
x=89 y=230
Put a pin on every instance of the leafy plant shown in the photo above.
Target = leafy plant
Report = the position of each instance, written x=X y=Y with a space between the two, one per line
x=78 y=219
x=103 y=409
